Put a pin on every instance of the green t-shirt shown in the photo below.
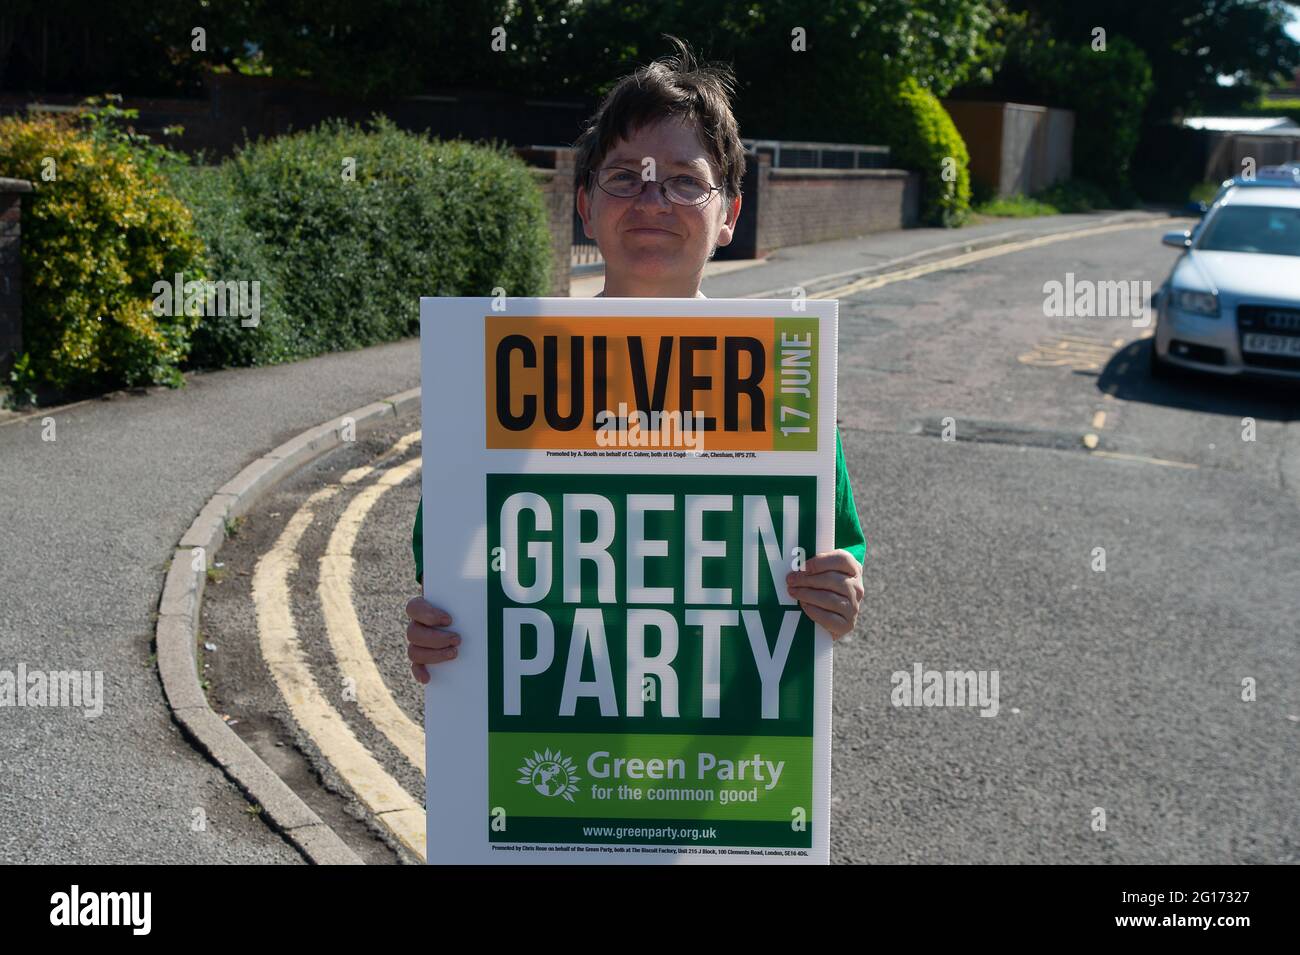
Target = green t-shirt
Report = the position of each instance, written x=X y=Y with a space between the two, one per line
x=848 y=530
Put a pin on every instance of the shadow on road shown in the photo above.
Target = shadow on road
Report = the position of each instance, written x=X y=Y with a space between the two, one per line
x=1127 y=375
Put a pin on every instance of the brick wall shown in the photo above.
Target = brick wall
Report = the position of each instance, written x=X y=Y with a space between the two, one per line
x=11 y=275
x=799 y=206
x=553 y=172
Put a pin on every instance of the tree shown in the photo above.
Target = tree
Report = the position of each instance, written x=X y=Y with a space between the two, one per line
x=85 y=46
x=1108 y=90
x=1189 y=44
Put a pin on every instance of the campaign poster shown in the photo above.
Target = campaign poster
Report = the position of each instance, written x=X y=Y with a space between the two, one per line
x=614 y=491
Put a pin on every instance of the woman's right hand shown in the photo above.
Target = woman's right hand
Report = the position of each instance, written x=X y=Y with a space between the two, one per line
x=427 y=641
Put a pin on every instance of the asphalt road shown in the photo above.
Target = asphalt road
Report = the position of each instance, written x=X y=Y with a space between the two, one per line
x=1120 y=690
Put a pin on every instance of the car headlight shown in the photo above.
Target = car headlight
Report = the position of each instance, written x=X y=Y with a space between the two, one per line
x=1198 y=303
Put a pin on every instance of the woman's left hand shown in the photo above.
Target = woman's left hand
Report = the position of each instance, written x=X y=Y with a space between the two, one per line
x=829 y=589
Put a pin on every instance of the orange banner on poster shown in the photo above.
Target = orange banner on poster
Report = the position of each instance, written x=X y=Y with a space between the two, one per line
x=571 y=382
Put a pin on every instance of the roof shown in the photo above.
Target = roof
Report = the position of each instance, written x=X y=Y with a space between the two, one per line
x=1267 y=125
x=1286 y=196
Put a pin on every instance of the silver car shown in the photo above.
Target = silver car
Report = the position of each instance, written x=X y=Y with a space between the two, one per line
x=1231 y=305
x=1287 y=174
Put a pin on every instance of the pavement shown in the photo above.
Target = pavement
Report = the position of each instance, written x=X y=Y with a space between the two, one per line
x=796 y=266
x=95 y=496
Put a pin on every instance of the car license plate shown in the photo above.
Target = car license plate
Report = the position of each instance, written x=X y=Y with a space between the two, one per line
x=1270 y=344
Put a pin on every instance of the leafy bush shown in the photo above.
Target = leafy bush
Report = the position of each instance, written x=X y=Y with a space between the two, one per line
x=1108 y=91
x=99 y=230
x=1203 y=192
x=236 y=253
x=1076 y=195
x=345 y=228
x=921 y=136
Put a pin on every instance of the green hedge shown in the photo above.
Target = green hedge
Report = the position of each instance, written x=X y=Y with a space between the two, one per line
x=340 y=261
x=922 y=136
x=234 y=252
x=1108 y=93
x=343 y=259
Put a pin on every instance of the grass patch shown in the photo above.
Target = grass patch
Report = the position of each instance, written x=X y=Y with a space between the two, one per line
x=1072 y=195
x=1016 y=207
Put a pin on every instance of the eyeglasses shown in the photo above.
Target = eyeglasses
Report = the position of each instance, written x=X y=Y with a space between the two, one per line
x=682 y=190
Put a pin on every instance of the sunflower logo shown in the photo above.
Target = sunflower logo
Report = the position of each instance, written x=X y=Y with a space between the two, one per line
x=551 y=774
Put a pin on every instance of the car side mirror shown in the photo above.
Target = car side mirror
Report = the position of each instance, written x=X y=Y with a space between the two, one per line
x=1179 y=240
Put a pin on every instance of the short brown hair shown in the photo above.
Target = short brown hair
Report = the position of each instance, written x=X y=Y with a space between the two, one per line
x=670 y=86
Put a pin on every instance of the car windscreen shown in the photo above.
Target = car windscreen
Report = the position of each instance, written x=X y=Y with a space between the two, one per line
x=1263 y=229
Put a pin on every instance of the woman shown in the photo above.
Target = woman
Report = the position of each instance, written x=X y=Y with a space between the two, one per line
x=657 y=173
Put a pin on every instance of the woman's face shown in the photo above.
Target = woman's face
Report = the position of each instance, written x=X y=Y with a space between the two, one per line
x=652 y=246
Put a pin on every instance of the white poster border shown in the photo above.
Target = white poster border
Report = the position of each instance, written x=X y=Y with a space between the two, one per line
x=455 y=459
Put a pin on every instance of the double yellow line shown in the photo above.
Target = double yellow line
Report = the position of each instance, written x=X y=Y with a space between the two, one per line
x=283 y=652
x=966 y=258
